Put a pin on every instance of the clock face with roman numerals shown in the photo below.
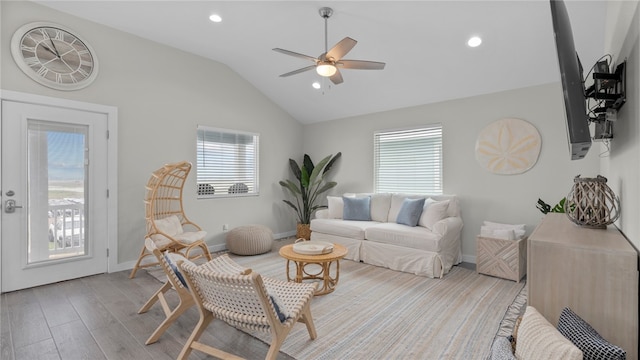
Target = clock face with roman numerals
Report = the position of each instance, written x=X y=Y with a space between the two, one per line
x=54 y=56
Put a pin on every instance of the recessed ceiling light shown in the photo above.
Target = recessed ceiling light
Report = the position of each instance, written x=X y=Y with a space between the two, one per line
x=215 y=18
x=474 y=41
x=316 y=85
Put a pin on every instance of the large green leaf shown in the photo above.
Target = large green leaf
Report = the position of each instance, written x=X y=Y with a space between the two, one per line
x=308 y=164
x=318 y=169
x=304 y=178
x=295 y=169
x=330 y=164
x=289 y=185
x=327 y=186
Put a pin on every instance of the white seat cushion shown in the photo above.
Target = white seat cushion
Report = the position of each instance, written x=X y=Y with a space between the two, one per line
x=345 y=228
x=405 y=236
x=190 y=236
x=170 y=225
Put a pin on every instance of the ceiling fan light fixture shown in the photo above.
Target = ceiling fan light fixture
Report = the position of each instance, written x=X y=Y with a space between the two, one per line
x=326 y=70
x=474 y=41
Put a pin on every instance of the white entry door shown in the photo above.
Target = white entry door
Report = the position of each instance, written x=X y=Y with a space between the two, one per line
x=54 y=194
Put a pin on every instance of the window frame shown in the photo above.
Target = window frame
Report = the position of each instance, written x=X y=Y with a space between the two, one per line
x=437 y=128
x=200 y=169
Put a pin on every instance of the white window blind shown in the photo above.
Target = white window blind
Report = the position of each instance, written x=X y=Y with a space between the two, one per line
x=227 y=163
x=409 y=160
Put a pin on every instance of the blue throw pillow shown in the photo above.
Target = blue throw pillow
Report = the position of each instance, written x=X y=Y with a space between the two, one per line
x=356 y=208
x=410 y=212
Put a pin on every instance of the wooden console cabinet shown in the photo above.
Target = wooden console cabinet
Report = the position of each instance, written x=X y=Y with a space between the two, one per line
x=592 y=271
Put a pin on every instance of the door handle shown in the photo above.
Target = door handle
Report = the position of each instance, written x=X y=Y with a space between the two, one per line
x=10 y=206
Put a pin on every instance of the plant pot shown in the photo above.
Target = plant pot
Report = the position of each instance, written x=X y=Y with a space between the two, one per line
x=303 y=231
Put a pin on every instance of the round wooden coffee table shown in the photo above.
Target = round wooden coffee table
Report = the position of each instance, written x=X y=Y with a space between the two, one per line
x=323 y=262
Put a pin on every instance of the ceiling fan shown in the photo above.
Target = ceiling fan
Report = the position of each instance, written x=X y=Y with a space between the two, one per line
x=329 y=62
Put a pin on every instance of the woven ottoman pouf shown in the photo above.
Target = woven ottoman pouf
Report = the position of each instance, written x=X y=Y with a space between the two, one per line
x=249 y=240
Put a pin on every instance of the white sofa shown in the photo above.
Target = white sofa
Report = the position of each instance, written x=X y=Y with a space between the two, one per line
x=429 y=249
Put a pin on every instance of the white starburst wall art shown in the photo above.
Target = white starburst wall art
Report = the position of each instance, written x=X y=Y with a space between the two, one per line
x=508 y=146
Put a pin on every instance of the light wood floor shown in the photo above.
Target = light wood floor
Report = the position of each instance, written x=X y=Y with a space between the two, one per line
x=96 y=318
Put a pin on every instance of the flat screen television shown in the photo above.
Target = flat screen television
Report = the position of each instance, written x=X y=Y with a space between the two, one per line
x=575 y=105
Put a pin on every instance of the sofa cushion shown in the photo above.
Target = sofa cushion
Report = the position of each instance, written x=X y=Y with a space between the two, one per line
x=405 y=236
x=357 y=208
x=335 y=206
x=345 y=228
x=380 y=204
x=433 y=212
x=396 y=204
x=410 y=212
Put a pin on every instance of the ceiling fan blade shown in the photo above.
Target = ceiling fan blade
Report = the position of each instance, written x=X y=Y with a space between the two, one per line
x=336 y=78
x=307 y=68
x=341 y=48
x=360 y=64
x=302 y=56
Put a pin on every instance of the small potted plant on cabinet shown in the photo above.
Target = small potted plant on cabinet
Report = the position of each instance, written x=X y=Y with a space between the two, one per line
x=310 y=185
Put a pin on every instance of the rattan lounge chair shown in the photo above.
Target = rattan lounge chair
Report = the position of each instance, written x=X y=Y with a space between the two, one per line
x=167 y=224
x=175 y=281
x=247 y=301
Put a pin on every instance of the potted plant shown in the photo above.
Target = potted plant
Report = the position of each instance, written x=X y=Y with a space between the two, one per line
x=311 y=184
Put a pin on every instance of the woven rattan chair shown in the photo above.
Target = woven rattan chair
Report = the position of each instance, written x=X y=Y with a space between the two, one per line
x=247 y=301
x=221 y=263
x=167 y=224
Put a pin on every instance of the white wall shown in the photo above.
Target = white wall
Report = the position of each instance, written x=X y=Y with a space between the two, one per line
x=483 y=195
x=622 y=167
x=162 y=94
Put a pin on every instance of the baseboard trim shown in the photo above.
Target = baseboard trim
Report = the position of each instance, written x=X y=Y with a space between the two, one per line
x=469 y=258
x=212 y=249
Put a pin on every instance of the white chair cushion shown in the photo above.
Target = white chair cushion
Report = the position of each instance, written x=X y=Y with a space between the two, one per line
x=191 y=236
x=170 y=225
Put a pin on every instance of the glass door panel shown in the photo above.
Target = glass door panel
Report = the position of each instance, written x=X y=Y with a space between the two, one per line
x=57 y=191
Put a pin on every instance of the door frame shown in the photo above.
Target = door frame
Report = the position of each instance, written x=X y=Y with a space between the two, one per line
x=112 y=160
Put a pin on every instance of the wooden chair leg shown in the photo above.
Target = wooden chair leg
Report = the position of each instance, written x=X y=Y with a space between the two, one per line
x=206 y=252
x=307 y=319
x=163 y=289
x=201 y=326
x=278 y=335
x=137 y=265
x=183 y=306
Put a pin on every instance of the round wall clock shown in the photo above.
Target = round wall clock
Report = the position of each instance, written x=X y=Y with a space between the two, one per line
x=54 y=56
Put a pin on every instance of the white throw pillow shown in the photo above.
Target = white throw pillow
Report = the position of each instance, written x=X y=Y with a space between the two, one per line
x=380 y=204
x=433 y=212
x=538 y=339
x=336 y=205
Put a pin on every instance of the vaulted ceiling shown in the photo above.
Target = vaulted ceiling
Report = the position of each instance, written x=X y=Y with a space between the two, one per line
x=423 y=44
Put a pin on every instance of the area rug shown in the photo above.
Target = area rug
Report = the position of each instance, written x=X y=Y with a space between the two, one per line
x=377 y=313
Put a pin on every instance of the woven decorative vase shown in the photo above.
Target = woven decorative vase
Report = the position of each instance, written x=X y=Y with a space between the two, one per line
x=591 y=203
x=303 y=231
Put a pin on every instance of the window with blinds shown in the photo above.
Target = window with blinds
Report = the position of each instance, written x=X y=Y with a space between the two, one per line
x=408 y=160
x=227 y=163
